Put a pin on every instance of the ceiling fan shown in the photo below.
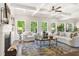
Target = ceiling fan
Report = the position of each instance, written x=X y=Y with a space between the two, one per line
x=57 y=10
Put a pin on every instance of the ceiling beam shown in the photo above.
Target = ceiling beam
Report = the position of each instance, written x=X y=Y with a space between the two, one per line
x=38 y=9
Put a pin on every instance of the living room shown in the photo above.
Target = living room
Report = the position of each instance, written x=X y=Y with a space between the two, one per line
x=39 y=29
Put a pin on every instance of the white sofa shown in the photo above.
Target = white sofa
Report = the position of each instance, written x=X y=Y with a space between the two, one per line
x=64 y=38
x=74 y=42
x=27 y=36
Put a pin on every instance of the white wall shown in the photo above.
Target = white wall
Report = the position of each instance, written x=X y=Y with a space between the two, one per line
x=1 y=34
x=1 y=41
x=77 y=24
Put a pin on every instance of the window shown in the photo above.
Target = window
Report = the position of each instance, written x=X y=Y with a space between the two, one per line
x=75 y=28
x=21 y=25
x=69 y=28
x=53 y=27
x=34 y=27
x=60 y=27
x=44 y=26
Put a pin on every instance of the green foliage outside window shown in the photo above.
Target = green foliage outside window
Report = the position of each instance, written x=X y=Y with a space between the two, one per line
x=34 y=27
x=75 y=28
x=60 y=27
x=20 y=26
x=44 y=26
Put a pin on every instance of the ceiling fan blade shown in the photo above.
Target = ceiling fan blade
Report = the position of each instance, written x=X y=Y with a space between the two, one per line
x=58 y=11
x=64 y=13
x=58 y=7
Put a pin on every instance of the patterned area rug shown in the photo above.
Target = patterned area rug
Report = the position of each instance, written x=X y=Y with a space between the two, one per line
x=32 y=49
x=45 y=52
x=52 y=51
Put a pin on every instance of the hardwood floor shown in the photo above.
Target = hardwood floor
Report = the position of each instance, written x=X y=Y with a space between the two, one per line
x=74 y=53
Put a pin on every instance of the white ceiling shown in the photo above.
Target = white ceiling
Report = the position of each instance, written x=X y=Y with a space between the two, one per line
x=71 y=10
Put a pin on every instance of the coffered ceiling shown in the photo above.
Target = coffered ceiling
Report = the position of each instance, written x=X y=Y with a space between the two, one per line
x=69 y=10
